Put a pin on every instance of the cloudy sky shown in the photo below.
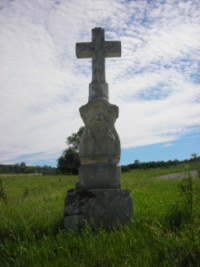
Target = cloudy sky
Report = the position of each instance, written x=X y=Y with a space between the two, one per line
x=156 y=82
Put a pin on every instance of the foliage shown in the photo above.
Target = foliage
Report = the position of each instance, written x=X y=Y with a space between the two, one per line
x=23 y=168
x=31 y=232
x=3 y=192
x=182 y=210
x=74 y=139
x=157 y=164
x=69 y=161
x=186 y=190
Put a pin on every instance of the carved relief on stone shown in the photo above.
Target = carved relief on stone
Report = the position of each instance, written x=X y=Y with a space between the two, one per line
x=100 y=142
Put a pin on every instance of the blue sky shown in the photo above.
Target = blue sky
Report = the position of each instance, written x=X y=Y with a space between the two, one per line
x=155 y=83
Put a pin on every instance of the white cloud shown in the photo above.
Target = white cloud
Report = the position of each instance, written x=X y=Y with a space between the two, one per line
x=42 y=84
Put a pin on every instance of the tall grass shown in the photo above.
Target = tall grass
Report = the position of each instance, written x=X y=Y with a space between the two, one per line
x=3 y=192
x=31 y=232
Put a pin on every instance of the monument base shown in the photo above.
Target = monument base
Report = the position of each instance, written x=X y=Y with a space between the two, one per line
x=99 y=176
x=105 y=208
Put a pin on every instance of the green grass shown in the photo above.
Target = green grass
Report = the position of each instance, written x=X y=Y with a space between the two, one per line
x=31 y=233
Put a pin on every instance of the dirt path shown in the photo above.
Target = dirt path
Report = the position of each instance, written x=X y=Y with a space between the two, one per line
x=178 y=175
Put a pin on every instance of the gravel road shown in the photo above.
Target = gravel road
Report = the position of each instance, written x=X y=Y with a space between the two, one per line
x=179 y=175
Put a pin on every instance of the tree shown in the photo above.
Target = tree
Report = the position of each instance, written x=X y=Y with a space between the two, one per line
x=136 y=164
x=74 y=139
x=194 y=156
x=69 y=161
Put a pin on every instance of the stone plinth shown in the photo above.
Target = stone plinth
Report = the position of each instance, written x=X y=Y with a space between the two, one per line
x=99 y=176
x=105 y=208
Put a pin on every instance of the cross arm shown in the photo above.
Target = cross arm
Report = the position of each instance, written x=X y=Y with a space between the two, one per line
x=84 y=50
x=112 y=48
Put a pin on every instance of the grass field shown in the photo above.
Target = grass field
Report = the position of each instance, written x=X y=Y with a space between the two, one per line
x=165 y=230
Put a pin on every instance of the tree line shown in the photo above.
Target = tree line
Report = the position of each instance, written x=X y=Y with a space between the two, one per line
x=22 y=168
x=69 y=162
x=156 y=164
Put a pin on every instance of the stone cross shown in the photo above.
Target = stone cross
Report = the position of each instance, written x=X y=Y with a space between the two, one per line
x=98 y=49
x=98 y=197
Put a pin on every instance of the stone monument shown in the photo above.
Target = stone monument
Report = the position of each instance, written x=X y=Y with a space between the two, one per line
x=98 y=197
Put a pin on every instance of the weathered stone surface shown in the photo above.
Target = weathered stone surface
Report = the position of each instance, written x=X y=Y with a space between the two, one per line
x=99 y=176
x=100 y=141
x=98 y=49
x=102 y=208
x=99 y=147
x=98 y=197
x=97 y=90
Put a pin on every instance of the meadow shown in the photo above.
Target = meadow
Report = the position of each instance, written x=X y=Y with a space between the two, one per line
x=165 y=230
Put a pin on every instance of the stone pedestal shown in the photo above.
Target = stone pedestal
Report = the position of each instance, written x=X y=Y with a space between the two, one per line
x=98 y=198
x=105 y=208
x=99 y=176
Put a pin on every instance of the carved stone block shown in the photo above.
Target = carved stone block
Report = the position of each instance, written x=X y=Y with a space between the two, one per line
x=98 y=90
x=99 y=176
x=100 y=142
x=102 y=208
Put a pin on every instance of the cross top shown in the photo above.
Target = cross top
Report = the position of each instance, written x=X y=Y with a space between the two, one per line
x=98 y=50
